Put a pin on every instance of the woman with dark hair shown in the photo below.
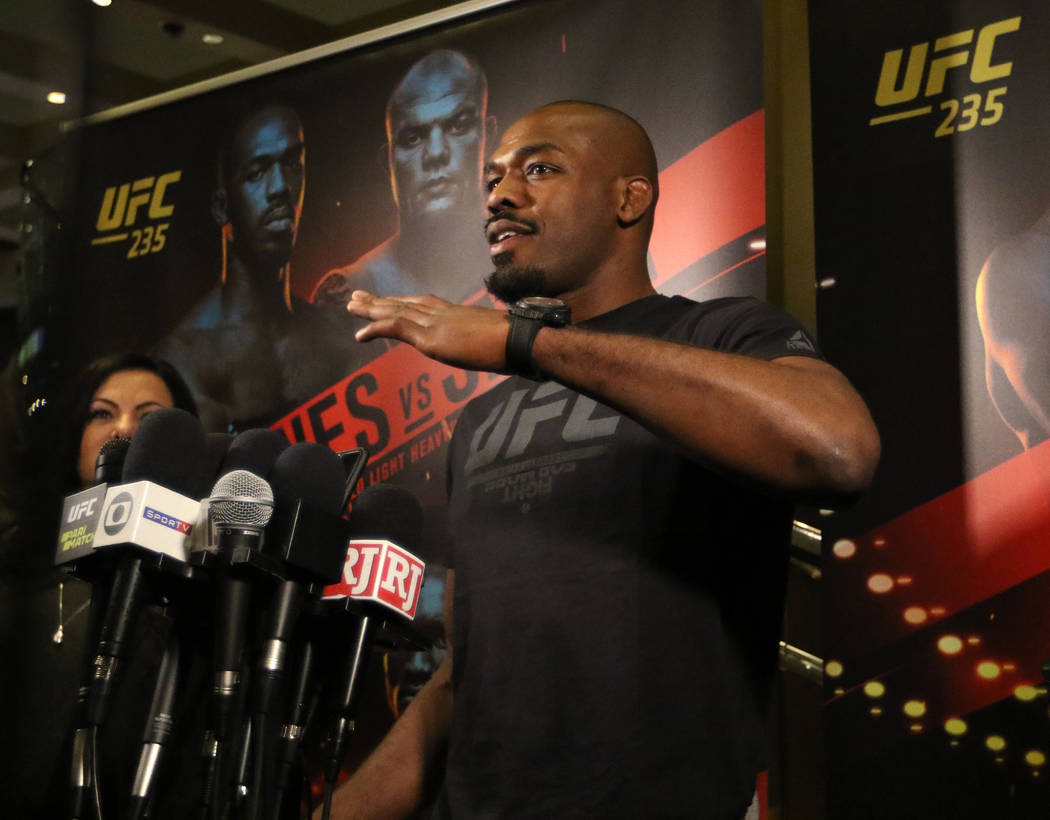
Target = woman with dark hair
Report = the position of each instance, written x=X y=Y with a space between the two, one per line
x=113 y=394
x=46 y=614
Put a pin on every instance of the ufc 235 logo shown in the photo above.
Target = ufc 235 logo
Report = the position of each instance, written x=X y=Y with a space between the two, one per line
x=125 y=207
x=118 y=513
x=972 y=54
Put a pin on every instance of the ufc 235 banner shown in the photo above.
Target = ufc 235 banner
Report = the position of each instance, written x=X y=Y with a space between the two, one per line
x=225 y=231
x=933 y=267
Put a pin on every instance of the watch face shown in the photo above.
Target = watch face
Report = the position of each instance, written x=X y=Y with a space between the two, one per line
x=549 y=311
x=540 y=303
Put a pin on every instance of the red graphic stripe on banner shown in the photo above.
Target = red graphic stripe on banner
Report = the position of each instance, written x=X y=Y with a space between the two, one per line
x=386 y=403
x=709 y=197
x=970 y=543
x=998 y=650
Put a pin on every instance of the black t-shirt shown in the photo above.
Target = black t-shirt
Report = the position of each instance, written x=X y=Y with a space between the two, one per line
x=617 y=606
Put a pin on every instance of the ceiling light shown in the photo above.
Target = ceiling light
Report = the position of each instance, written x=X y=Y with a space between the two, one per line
x=56 y=97
x=211 y=39
x=102 y=3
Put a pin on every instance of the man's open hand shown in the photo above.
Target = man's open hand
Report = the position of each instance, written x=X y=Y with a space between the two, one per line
x=474 y=338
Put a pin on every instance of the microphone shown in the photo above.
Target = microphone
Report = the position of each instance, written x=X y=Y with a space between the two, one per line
x=380 y=576
x=306 y=540
x=169 y=449
x=110 y=462
x=158 y=728
x=298 y=548
x=308 y=481
x=82 y=510
x=255 y=450
x=163 y=468
x=239 y=508
x=146 y=520
x=216 y=446
x=294 y=726
x=306 y=533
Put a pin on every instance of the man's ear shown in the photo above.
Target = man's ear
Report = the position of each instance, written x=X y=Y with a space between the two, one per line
x=636 y=197
x=220 y=211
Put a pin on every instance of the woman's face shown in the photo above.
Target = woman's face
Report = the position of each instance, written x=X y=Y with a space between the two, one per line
x=116 y=409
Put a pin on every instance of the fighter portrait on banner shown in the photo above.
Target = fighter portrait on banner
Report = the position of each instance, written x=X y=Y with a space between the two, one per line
x=1013 y=306
x=250 y=349
x=436 y=125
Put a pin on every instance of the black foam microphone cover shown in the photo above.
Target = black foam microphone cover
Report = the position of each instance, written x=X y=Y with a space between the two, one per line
x=254 y=450
x=216 y=446
x=109 y=465
x=169 y=449
x=390 y=512
x=306 y=533
x=310 y=472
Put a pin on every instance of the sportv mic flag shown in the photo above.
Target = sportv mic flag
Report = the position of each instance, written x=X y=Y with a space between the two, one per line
x=380 y=571
x=148 y=515
x=141 y=513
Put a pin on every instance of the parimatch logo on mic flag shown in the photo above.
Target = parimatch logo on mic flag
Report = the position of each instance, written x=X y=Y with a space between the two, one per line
x=81 y=513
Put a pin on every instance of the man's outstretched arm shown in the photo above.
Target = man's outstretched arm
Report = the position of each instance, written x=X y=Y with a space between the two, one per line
x=794 y=424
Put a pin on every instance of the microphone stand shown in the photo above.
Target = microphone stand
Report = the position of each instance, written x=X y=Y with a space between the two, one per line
x=158 y=730
x=347 y=698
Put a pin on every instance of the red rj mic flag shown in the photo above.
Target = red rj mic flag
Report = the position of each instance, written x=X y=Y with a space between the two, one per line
x=382 y=572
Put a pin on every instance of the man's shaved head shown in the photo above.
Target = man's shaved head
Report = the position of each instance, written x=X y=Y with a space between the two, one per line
x=623 y=137
x=572 y=189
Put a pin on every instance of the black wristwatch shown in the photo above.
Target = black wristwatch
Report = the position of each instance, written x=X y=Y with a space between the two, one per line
x=527 y=316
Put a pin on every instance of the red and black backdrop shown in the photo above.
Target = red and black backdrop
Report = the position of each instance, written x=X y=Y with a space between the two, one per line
x=930 y=129
x=690 y=72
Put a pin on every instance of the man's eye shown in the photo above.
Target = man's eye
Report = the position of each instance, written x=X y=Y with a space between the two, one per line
x=490 y=184
x=253 y=175
x=293 y=159
x=409 y=137
x=462 y=124
x=539 y=168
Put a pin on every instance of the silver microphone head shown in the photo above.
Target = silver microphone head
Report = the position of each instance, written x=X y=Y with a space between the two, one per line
x=241 y=499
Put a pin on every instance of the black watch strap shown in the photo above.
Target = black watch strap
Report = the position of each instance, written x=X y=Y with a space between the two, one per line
x=520 y=338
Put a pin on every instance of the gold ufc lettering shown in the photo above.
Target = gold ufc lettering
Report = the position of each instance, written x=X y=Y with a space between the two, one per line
x=121 y=204
x=892 y=89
